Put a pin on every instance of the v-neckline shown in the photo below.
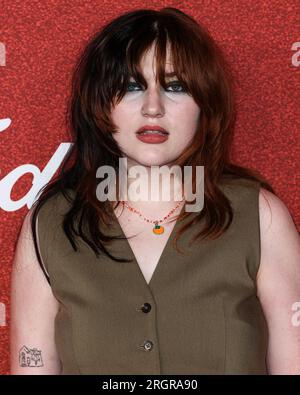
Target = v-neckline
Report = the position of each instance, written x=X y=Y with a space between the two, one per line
x=162 y=257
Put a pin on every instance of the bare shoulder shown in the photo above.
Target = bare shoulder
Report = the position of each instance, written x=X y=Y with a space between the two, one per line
x=272 y=210
x=277 y=227
x=280 y=241
x=24 y=246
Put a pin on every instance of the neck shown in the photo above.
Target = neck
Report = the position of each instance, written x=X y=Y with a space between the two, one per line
x=148 y=186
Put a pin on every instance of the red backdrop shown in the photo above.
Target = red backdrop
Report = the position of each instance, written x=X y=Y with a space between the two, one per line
x=39 y=42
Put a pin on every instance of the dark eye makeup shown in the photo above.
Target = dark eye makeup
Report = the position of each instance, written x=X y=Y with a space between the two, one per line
x=173 y=84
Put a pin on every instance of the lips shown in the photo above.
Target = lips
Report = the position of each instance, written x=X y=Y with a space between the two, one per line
x=152 y=134
x=152 y=129
x=152 y=138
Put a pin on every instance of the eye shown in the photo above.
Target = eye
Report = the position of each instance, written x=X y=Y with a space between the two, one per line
x=131 y=85
x=176 y=86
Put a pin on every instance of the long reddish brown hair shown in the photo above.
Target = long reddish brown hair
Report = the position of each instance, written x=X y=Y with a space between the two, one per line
x=100 y=79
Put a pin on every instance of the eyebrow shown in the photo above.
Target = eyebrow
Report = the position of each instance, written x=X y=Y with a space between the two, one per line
x=168 y=75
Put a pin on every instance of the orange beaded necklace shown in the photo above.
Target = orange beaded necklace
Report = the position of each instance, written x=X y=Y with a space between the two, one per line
x=158 y=229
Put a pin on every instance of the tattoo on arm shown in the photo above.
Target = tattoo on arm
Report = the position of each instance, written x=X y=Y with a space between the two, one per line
x=30 y=357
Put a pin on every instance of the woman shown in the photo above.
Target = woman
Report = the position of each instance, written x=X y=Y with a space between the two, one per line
x=100 y=287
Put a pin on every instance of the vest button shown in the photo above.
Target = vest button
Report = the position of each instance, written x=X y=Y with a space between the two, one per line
x=148 y=345
x=146 y=307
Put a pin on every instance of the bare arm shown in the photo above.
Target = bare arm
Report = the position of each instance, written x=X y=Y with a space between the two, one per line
x=33 y=311
x=278 y=284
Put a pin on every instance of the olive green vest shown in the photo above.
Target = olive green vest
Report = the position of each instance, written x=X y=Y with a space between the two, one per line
x=198 y=315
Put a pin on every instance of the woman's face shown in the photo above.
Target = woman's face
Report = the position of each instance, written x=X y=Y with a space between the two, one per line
x=172 y=109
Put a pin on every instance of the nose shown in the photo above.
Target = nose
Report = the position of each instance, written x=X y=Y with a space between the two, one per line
x=152 y=103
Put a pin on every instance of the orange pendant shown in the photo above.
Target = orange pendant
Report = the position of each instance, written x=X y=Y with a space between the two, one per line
x=158 y=229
